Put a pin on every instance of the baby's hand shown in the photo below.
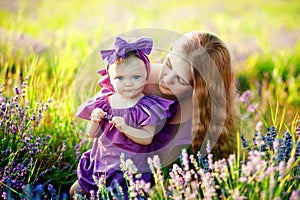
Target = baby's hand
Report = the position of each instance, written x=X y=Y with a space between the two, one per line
x=119 y=123
x=97 y=115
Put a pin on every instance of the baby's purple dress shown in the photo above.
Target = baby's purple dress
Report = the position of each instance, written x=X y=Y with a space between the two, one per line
x=104 y=157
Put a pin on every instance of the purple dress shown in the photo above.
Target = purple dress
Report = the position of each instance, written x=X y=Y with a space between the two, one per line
x=170 y=140
x=104 y=157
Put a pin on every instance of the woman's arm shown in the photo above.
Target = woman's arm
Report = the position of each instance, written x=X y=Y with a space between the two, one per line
x=143 y=136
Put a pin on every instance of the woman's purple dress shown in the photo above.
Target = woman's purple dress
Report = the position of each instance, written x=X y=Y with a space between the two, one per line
x=104 y=157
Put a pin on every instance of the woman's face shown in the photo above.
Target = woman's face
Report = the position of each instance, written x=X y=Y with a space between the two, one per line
x=175 y=77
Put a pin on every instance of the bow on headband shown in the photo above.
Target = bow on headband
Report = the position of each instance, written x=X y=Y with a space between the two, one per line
x=143 y=45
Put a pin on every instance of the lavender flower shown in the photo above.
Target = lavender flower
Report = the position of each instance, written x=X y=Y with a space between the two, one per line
x=185 y=160
x=17 y=90
x=155 y=167
x=297 y=132
x=245 y=97
x=295 y=195
x=236 y=194
x=20 y=142
x=53 y=192
x=252 y=107
x=207 y=184
x=259 y=126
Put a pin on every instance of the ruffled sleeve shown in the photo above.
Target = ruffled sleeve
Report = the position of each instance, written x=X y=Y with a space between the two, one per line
x=152 y=110
x=99 y=100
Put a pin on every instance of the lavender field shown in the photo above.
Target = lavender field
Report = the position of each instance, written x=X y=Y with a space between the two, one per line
x=46 y=45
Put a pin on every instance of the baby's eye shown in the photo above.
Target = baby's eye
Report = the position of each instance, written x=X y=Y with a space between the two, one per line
x=136 y=76
x=119 y=77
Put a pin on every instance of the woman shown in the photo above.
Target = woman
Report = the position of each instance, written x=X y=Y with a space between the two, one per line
x=198 y=73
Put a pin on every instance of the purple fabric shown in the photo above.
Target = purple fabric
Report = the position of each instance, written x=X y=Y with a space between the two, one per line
x=170 y=140
x=104 y=157
x=84 y=111
x=104 y=82
x=142 y=47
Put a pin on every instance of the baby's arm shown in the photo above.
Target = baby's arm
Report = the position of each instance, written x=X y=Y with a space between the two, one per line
x=93 y=125
x=143 y=136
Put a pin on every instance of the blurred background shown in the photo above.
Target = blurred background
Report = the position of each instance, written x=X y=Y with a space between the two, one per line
x=45 y=43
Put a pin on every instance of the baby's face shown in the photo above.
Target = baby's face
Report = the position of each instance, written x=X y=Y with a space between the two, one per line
x=128 y=77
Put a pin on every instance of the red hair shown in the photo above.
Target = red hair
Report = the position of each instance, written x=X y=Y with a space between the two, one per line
x=215 y=113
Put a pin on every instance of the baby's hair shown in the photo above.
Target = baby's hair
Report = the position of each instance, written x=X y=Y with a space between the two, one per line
x=127 y=58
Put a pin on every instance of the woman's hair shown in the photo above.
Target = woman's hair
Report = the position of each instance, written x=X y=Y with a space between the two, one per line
x=215 y=113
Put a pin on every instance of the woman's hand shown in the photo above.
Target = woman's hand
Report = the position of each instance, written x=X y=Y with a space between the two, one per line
x=119 y=123
x=97 y=115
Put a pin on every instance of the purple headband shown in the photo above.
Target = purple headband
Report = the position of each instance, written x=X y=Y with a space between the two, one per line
x=140 y=48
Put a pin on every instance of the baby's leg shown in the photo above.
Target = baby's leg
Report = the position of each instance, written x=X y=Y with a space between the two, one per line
x=76 y=188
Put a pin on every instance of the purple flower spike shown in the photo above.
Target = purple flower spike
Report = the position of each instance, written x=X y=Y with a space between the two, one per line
x=17 y=90
x=246 y=96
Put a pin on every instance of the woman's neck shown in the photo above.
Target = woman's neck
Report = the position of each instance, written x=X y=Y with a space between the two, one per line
x=184 y=111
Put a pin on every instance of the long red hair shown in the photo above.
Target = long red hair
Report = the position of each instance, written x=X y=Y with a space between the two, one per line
x=215 y=115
